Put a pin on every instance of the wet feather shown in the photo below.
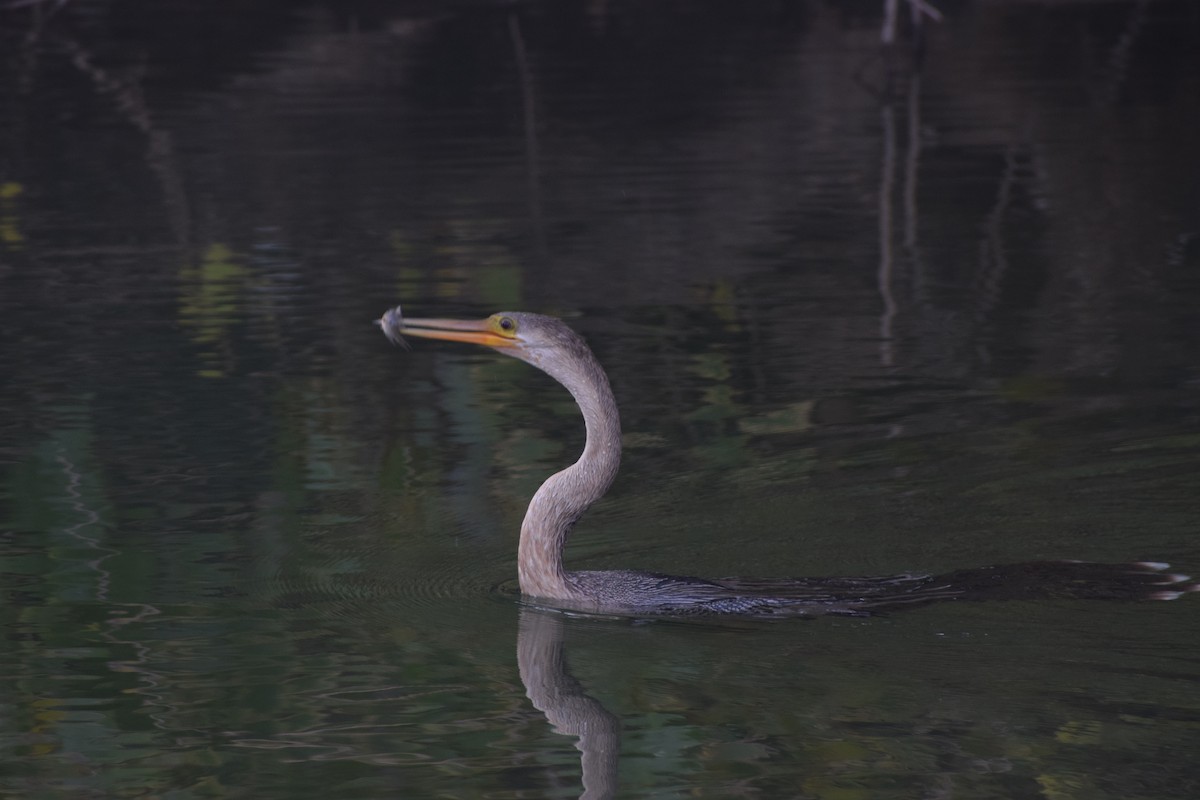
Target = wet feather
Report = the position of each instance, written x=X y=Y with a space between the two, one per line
x=391 y=323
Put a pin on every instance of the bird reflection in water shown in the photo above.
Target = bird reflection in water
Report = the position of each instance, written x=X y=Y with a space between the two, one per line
x=550 y=345
x=555 y=692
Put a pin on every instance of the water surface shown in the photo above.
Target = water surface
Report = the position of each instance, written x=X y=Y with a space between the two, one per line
x=865 y=311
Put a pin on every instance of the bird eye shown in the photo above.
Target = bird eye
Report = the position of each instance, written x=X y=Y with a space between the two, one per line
x=507 y=324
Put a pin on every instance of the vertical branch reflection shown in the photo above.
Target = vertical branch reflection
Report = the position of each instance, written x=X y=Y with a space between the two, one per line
x=555 y=692
x=529 y=119
x=120 y=613
x=887 y=180
x=912 y=163
x=917 y=9
x=1119 y=56
x=993 y=257
x=129 y=99
x=887 y=214
x=91 y=517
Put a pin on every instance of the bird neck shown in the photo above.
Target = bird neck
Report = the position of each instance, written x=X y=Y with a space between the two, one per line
x=563 y=498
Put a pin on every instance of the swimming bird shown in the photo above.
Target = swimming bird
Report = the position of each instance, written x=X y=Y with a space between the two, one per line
x=553 y=347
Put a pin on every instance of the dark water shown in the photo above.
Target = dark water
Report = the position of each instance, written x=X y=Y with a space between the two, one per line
x=866 y=311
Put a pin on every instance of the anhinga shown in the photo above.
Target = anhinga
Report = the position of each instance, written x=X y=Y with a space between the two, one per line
x=550 y=345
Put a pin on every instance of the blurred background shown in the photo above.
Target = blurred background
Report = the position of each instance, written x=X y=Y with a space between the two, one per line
x=878 y=292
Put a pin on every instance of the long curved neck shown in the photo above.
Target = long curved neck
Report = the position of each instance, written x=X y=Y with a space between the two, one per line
x=563 y=498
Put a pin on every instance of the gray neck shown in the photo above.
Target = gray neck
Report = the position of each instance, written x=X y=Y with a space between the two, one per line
x=563 y=498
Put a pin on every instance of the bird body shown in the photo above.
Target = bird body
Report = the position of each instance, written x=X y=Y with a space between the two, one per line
x=550 y=345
